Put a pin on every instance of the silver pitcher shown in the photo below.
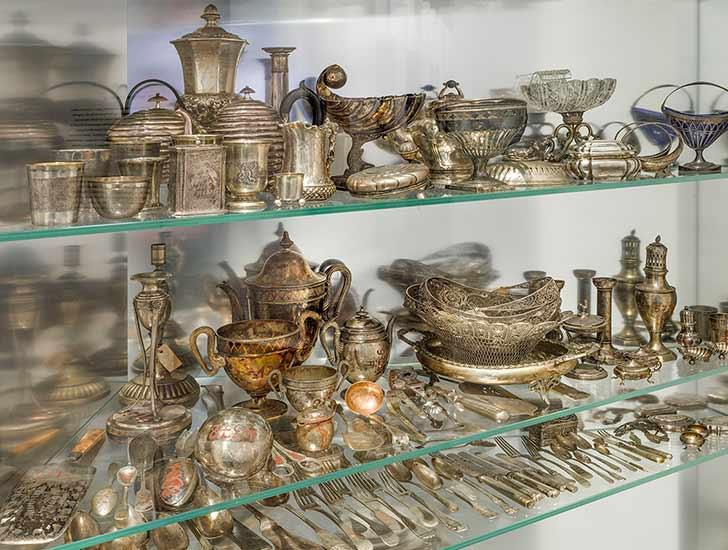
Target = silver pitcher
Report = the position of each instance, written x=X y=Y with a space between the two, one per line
x=309 y=150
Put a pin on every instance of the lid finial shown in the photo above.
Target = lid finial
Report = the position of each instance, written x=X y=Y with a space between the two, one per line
x=211 y=15
x=286 y=241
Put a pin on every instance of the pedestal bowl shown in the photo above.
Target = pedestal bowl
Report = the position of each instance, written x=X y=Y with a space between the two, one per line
x=484 y=128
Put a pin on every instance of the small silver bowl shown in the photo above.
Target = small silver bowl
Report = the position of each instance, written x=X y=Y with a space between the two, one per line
x=118 y=197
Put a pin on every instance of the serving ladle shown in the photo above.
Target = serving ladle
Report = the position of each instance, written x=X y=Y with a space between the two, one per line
x=82 y=526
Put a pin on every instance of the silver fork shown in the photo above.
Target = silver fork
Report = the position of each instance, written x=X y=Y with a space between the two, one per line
x=392 y=486
x=305 y=499
x=334 y=498
x=511 y=451
x=574 y=470
x=361 y=491
x=418 y=513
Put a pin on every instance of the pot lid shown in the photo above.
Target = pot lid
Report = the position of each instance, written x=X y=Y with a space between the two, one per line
x=210 y=30
x=271 y=248
x=656 y=256
x=286 y=268
x=154 y=122
x=584 y=321
x=604 y=149
x=362 y=322
x=247 y=117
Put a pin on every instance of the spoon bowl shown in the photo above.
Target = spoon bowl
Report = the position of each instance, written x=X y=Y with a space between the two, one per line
x=177 y=480
x=364 y=397
x=215 y=524
x=81 y=526
x=105 y=499
x=170 y=537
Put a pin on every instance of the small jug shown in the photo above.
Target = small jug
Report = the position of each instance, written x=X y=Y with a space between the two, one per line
x=309 y=150
x=361 y=347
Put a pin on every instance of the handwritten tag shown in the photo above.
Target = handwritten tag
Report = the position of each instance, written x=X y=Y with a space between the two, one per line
x=168 y=359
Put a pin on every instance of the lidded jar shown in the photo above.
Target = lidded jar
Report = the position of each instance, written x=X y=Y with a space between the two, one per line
x=627 y=278
x=361 y=346
x=248 y=118
x=688 y=335
x=210 y=56
x=656 y=299
x=153 y=125
x=600 y=159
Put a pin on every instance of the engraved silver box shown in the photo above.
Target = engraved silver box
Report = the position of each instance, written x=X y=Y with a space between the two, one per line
x=197 y=185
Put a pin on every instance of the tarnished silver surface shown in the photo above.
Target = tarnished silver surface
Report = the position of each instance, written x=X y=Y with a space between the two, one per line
x=55 y=192
x=248 y=118
x=246 y=173
x=198 y=175
x=364 y=118
x=385 y=181
x=234 y=444
x=603 y=160
x=549 y=360
x=118 y=197
x=309 y=150
x=209 y=57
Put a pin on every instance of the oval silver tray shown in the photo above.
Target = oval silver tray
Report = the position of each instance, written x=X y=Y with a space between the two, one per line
x=548 y=360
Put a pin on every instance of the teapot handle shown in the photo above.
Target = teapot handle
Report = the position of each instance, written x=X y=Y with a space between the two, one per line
x=332 y=352
x=139 y=86
x=318 y=108
x=303 y=342
x=334 y=299
x=217 y=361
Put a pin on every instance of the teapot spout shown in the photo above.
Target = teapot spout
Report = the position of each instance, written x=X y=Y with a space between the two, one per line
x=236 y=305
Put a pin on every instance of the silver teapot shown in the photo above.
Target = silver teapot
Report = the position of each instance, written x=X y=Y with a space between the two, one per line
x=360 y=347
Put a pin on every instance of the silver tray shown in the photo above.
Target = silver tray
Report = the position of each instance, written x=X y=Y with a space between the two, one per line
x=548 y=360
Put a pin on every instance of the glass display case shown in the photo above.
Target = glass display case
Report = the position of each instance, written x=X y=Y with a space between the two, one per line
x=358 y=275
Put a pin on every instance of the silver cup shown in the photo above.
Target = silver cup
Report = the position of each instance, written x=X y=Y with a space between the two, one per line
x=702 y=320
x=97 y=163
x=55 y=192
x=150 y=168
x=289 y=189
x=246 y=174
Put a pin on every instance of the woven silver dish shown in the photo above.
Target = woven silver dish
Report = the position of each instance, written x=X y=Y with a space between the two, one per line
x=481 y=342
x=533 y=301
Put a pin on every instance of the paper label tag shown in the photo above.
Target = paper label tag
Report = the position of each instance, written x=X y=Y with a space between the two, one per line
x=168 y=359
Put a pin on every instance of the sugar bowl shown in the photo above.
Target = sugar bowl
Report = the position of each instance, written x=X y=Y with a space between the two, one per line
x=305 y=384
x=315 y=426
x=361 y=346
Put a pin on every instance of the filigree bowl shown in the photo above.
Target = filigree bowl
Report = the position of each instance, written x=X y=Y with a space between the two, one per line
x=484 y=128
x=364 y=118
x=500 y=305
x=481 y=341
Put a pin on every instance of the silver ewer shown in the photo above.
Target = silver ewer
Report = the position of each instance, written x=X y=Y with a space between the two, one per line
x=309 y=150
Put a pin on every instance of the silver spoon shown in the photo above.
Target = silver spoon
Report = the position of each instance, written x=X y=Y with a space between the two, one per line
x=82 y=526
x=105 y=499
x=170 y=537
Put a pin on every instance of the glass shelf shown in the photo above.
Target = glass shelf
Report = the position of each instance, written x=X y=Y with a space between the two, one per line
x=603 y=393
x=341 y=202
